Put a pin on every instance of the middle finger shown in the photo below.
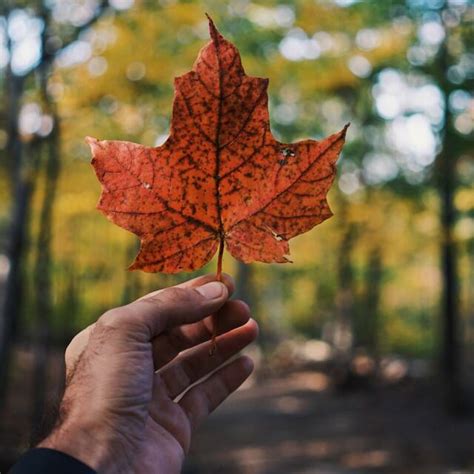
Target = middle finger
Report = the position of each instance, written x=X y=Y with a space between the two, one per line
x=169 y=344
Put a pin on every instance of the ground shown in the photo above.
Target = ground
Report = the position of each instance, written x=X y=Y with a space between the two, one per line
x=298 y=424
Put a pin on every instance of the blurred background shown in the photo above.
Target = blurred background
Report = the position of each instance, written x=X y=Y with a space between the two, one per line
x=365 y=359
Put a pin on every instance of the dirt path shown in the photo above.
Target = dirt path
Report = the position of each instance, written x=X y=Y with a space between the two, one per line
x=296 y=424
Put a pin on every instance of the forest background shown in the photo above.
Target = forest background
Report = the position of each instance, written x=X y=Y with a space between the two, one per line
x=383 y=290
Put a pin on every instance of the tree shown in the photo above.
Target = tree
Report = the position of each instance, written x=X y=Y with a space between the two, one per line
x=25 y=163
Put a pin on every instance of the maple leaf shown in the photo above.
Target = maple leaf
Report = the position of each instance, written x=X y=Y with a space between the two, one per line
x=221 y=178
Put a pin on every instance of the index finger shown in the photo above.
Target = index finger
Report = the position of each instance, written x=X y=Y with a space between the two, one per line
x=148 y=317
x=198 y=281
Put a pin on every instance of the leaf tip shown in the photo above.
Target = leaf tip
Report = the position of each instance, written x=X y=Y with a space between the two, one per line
x=215 y=35
x=344 y=130
x=93 y=143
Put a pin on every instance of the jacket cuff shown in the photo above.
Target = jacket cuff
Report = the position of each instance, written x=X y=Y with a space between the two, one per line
x=45 y=460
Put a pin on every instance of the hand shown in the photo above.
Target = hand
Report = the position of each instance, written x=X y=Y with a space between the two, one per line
x=123 y=409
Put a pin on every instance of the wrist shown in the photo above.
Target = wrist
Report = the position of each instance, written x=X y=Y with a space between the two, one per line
x=94 y=448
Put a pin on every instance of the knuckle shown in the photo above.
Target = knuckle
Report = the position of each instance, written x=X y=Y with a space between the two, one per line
x=127 y=321
x=71 y=347
x=172 y=296
x=112 y=318
x=70 y=353
x=107 y=318
x=77 y=345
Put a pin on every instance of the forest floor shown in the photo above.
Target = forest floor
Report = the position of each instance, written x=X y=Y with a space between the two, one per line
x=298 y=424
x=296 y=421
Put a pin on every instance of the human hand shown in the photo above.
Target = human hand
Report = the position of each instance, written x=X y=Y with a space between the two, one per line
x=123 y=410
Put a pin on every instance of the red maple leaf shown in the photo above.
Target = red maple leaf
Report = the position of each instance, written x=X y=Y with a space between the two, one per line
x=220 y=178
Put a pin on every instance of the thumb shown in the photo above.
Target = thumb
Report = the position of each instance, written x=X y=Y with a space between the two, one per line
x=147 y=317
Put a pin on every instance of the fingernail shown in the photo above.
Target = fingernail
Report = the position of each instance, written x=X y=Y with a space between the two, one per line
x=211 y=290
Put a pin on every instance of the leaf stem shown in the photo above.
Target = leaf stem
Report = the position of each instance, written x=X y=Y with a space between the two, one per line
x=219 y=259
x=215 y=321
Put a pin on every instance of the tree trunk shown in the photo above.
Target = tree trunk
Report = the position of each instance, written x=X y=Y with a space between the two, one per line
x=446 y=181
x=21 y=185
x=343 y=325
x=341 y=334
x=42 y=274
x=367 y=334
x=49 y=156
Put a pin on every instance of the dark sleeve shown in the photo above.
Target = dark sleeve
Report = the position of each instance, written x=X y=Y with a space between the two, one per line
x=49 y=461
